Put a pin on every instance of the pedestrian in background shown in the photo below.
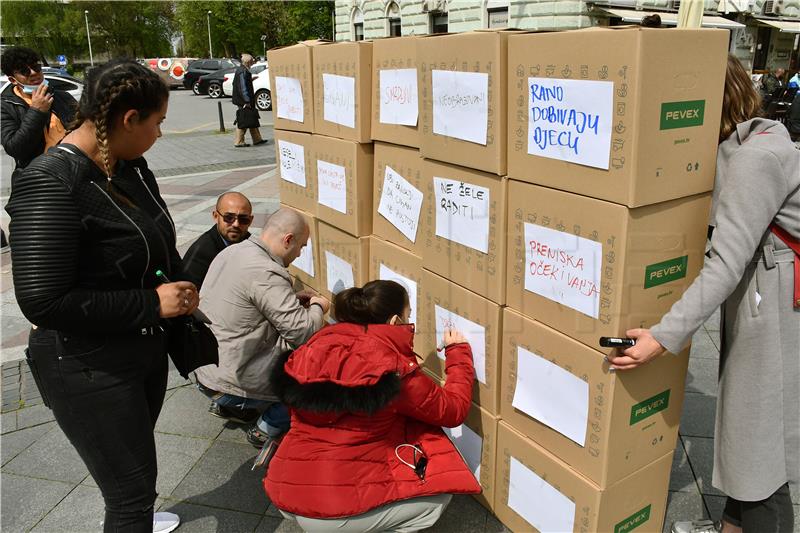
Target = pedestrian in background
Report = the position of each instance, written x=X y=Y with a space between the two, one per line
x=89 y=230
x=244 y=98
x=750 y=273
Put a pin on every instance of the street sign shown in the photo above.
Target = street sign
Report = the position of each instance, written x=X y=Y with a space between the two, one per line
x=61 y=59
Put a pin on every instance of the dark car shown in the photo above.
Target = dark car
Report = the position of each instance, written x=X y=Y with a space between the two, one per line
x=205 y=66
x=211 y=84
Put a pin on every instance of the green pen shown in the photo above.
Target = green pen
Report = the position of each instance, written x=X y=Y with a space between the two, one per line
x=197 y=313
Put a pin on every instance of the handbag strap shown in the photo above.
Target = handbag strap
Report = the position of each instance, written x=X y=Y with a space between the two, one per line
x=794 y=244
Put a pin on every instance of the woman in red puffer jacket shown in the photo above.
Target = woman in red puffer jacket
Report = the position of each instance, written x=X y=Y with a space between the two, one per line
x=366 y=450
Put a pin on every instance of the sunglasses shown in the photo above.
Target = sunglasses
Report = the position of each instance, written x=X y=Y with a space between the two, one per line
x=230 y=218
x=26 y=71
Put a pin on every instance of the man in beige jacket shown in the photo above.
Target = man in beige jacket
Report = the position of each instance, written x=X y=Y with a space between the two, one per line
x=256 y=315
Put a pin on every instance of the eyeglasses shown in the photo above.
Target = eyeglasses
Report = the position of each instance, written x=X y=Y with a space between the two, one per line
x=26 y=71
x=230 y=218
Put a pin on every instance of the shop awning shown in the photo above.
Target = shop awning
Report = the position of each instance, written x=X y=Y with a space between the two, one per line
x=668 y=19
x=786 y=26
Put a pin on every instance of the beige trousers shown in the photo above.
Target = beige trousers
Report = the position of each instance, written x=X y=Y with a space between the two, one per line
x=255 y=134
x=400 y=517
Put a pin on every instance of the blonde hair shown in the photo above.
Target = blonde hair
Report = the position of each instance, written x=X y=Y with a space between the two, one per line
x=740 y=100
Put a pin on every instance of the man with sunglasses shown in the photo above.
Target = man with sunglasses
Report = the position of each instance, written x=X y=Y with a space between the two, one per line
x=232 y=216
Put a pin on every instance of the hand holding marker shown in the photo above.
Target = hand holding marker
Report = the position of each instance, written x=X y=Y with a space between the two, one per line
x=196 y=313
x=616 y=342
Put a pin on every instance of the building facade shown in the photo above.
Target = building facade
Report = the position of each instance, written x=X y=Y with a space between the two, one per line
x=764 y=33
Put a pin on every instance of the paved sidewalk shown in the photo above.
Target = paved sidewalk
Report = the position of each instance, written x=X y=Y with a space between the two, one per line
x=204 y=462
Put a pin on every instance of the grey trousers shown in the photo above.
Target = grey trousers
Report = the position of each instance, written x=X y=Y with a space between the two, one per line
x=400 y=517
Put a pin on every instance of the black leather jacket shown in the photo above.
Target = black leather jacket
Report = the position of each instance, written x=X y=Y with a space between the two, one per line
x=85 y=252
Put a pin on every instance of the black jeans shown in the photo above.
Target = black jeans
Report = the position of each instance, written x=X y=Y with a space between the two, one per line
x=773 y=515
x=106 y=392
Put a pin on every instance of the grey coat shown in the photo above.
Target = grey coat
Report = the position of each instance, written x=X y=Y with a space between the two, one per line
x=255 y=316
x=749 y=273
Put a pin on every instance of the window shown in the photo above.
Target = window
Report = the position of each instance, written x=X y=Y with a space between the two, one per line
x=393 y=20
x=498 y=18
x=211 y=65
x=358 y=31
x=394 y=28
x=357 y=20
x=438 y=22
x=61 y=85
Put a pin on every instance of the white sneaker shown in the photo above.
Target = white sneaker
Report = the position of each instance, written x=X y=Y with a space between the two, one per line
x=696 y=526
x=165 y=522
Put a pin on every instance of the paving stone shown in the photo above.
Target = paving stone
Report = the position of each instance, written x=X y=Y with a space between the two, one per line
x=681 y=479
x=176 y=457
x=14 y=443
x=715 y=506
x=699 y=412
x=712 y=324
x=701 y=456
x=50 y=457
x=703 y=346
x=27 y=500
x=493 y=525
x=8 y=422
x=201 y=518
x=683 y=506
x=222 y=478
x=278 y=525
x=702 y=376
x=185 y=413
x=463 y=513
x=82 y=510
x=715 y=337
x=33 y=416
x=233 y=432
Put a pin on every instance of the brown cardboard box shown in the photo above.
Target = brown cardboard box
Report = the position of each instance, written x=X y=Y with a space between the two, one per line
x=399 y=94
x=402 y=196
x=348 y=102
x=603 y=267
x=459 y=205
x=294 y=65
x=343 y=260
x=343 y=173
x=478 y=60
x=389 y=261
x=451 y=298
x=662 y=111
x=482 y=424
x=306 y=267
x=297 y=170
x=556 y=498
x=613 y=423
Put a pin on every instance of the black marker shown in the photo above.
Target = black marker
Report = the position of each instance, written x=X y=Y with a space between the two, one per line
x=197 y=313
x=616 y=342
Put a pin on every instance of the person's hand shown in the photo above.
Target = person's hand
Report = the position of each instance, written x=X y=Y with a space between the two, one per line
x=246 y=106
x=322 y=301
x=453 y=336
x=177 y=298
x=646 y=349
x=40 y=99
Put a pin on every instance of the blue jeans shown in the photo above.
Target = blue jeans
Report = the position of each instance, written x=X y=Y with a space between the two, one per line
x=274 y=419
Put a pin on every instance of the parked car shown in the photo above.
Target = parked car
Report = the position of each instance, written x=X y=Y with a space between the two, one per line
x=67 y=83
x=205 y=66
x=211 y=84
x=260 y=72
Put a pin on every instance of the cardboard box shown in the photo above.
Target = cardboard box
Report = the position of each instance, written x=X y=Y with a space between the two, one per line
x=343 y=173
x=561 y=394
x=549 y=496
x=590 y=268
x=297 y=170
x=658 y=98
x=343 y=90
x=292 y=84
x=306 y=267
x=463 y=111
x=470 y=206
x=389 y=261
x=404 y=200
x=395 y=97
x=478 y=318
x=343 y=260
x=476 y=440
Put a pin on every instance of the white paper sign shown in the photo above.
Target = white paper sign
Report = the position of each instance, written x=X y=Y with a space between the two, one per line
x=552 y=395
x=462 y=213
x=469 y=444
x=387 y=273
x=293 y=162
x=460 y=104
x=339 y=273
x=400 y=203
x=332 y=186
x=399 y=104
x=339 y=99
x=475 y=334
x=289 y=98
x=537 y=501
x=564 y=268
x=305 y=261
x=571 y=120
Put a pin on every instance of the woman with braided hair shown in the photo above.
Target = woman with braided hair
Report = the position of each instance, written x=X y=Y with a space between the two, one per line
x=89 y=231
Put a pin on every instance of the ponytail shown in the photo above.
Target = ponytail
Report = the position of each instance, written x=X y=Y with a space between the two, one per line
x=374 y=303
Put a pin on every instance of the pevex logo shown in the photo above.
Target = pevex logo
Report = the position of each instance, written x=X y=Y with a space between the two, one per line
x=649 y=407
x=633 y=521
x=666 y=271
x=682 y=114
